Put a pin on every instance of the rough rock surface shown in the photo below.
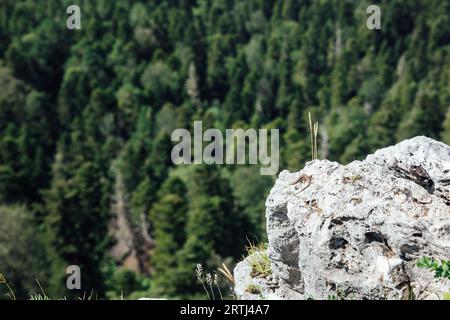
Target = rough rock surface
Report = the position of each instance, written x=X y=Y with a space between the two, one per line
x=356 y=231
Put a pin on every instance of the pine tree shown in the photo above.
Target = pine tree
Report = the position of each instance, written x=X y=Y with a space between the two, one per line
x=23 y=256
x=297 y=146
x=168 y=218
x=215 y=226
x=425 y=117
x=446 y=132
x=192 y=85
x=383 y=125
x=77 y=219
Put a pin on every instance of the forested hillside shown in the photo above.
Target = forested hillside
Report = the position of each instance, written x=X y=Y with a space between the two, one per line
x=86 y=176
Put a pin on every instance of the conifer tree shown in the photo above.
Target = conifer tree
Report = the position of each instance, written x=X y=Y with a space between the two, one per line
x=215 y=226
x=383 y=125
x=168 y=217
x=425 y=118
x=77 y=219
x=446 y=129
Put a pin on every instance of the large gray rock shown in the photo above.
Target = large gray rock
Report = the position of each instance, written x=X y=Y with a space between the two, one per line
x=356 y=231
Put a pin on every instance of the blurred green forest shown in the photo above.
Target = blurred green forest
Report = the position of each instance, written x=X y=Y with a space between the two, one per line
x=86 y=116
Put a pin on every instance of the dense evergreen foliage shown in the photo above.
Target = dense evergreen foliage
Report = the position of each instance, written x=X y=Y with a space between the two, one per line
x=80 y=108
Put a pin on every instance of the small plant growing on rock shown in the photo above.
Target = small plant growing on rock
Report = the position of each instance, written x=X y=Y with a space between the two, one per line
x=259 y=260
x=441 y=269
x=340 y=295
x=253 y=289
